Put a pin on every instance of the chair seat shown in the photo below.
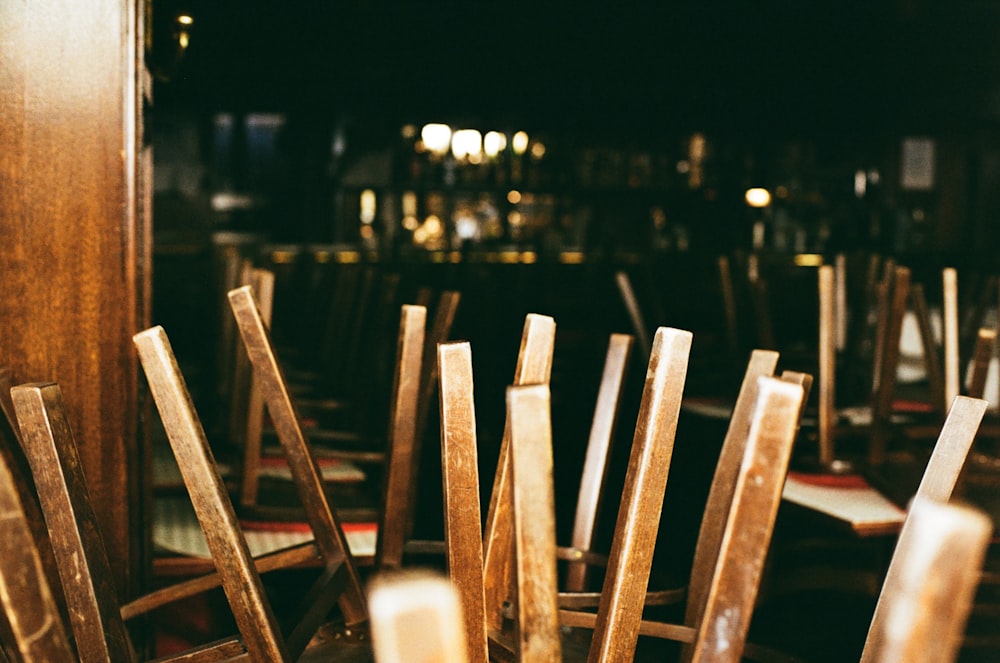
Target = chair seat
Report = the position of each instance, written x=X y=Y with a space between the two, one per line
x=176 y=530
x=850 y=499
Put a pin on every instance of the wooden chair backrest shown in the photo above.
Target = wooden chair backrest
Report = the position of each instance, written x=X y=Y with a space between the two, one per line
x=937 y=484
x=827 y=365
x=362 y=377
x=717 y=631
x=928 y=598
x=982 y=354
x=534 y=366
x=402 y=450
x=445 y=310
x=247 y=417
x=896 y=295
x=347 y=325
x=534 y=549
x=81 y=557
x=722 y=490
x=12 y=451
x=631 y=556
x=950 y=335
x=241 y=417
x=729 y=602
x=595 y=465
x=32 y=615
x=635 y=315
x=241 y=583
x=463 y=532
x=399 y=476
x=95 y=614
x=932 y=358
x=326 y=527
x=534 y=518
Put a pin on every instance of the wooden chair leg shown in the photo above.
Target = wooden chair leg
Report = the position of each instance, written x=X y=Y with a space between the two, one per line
x=416 y=616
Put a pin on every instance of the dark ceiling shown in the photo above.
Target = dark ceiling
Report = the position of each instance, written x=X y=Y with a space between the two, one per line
x=767 y=66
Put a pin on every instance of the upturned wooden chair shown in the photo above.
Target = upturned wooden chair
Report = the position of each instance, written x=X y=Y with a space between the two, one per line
x=938 y=483
x=721 y=601
x=337 y=581
x=618 y=621
x=490 y=605
x=666 y=591
x=399 y=458
x=96 y=616
x=929 y=590
x=35 y=630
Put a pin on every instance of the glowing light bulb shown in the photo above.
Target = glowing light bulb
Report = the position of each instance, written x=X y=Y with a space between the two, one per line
x=494 y=143
x=466 y=143
x=757 y=197
x=436 y=137
x=520 y=142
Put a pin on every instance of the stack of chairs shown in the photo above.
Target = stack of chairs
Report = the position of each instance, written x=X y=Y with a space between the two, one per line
x=522 y=596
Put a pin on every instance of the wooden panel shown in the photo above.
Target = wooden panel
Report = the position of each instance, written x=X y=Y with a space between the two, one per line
x=72 y=292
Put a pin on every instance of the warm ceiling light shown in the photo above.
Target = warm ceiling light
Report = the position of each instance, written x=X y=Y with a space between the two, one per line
x=185 y=19
x=436 y=137
x=494 y=143
x=757 y=197
x=520 y=142
x=466 y=143
x=367 y=206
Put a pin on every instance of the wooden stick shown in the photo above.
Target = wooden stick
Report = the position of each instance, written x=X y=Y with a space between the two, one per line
x=952 y=379
x=460 y=482
x=840 y=310
x=981 y=356
x=932 y=362
x=530 y=424
x=827 y=364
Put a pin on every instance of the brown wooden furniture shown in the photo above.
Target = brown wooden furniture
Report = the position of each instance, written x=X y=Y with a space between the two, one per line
x=638 y=518
x=36 y=628
x=939 y=479
x=595 y=465
x=489 y=609
x=416 y=617
x=928 y=594
x=534 y=609
x=718 y=502
x=76 y=202
x=338 y=580
x=367 y=441
x=400 y=456
x=722 y=592
x=96 y=617
x=534 y=366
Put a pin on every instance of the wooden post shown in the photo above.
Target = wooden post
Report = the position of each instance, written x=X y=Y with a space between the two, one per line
x=73 y=229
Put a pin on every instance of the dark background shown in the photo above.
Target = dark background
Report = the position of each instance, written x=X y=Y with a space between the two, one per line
x=752 y=69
